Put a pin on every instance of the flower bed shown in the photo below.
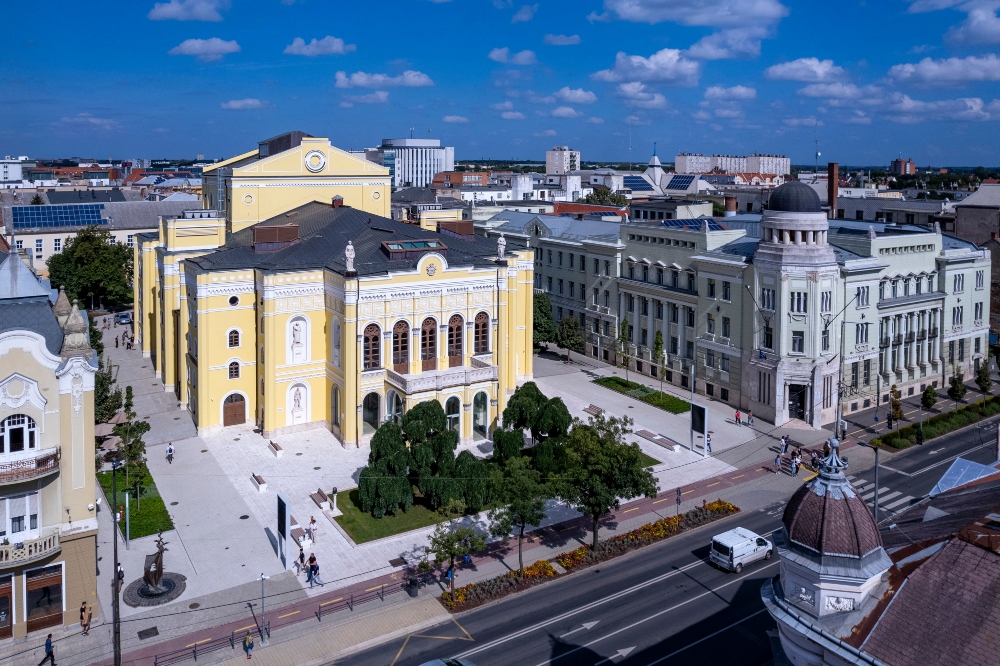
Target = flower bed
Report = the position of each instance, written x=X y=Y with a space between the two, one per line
x=650 y=396
x=475 y=594
x=941 y=424
x=645 y=535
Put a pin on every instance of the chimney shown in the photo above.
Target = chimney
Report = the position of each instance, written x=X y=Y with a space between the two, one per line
x=994 y=235
x=832 y=187
x=730 y=206
x=338 y=201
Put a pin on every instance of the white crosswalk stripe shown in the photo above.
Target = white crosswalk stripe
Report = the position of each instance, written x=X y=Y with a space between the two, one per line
x=899 y=502
x=889 y=500
x=867 y=496
x=884 y=498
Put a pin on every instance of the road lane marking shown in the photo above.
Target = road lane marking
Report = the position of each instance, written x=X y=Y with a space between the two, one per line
x=624 y=652
x=713 y=484
x=867 y=496
x=702 y=640
x=632 y=509
x=377 y=587
x=893 y=505
x=332 y=601
x=686 y=492
x=737 y=477
x=662 y=500
x=658 y=614
x=288 y=614
x=249 y=626
x=891 y=495
x=205 y=640
x=586 y=625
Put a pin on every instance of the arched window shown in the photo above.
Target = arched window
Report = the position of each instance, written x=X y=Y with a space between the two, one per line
x=335 y=406
x=234 y=338
x=455 y=335
x=428 y=344
x=18 y=433
x=372 y=347
x=394 y=404
x=480 y=415
x=452 y=410
x=401 y=347
x=369 y=413
x=482 y=333
x=234 y=370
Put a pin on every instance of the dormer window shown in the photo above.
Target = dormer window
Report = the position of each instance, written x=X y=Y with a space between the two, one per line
x=409 y=249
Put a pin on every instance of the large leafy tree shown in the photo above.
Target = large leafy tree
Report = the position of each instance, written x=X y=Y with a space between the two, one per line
x=432 y=452
x=522 y=498
x=605 y=197
x=472 y=481
x=107 y=398
x=507 y=444
x=569 y=336
x=450 y=541
x=383 y=486
x=602 y=468
x=94 y=268
x=543 y=325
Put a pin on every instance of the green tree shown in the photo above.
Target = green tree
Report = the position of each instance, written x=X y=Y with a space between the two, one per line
x=658 y=355
x=524 y=407
x=956 y=391
x=96 y=339
x=543 y=325
x=602 y=468
x=605 y=197
x=432 y=452
x=522 y=502
x=623 y=343
x=569 y=336
x=107 y=397
x=383 y=486
x=896 y=403
x=507 y=444
x=37 y=200
x=450 y=541
x=718 y=210
x=94 y=268
x=472 y=478
x=133 y=452
x=928 y=397
x=983 y=379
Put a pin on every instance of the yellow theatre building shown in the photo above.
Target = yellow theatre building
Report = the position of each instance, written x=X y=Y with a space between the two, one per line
x=330 y=314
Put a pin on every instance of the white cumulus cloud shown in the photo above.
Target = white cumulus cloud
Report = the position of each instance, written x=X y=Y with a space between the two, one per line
x=329 y=45
x=562 y=40
x=242 y=104
x=548 y=132
x=206 y=49
x=408 y=79
x=565 y=112
x=524 y=14
x=88 y=120
x=377 y=97
x=594 y=120
x=807 y=70
x=635 y=94
x=664 y=66
x=455 y=119
x=948 y=71
x=187 y=10
x=981 y=25
x=904 y=109
x=505 y=56
x=512 y=115
x=735 y=92
x=811 y=121
x=575 y=96
x=503 y=106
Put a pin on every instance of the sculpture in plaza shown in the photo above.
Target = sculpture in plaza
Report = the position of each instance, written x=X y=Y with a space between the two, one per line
x=153 y=571
x=349 y=255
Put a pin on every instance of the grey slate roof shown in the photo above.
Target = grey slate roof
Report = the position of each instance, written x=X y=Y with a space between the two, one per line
x=741 y=247
x=84 y=196
x=17 y=280
x=24 y=304
x=986 y=196
x=559 y=226
x=323 y=235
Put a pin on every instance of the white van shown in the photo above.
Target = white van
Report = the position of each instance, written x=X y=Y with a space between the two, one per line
x=737 y=547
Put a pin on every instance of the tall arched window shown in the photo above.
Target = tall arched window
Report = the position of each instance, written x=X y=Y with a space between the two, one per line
x=234 y=338
x=401 y=347
x=394 y=408
x=335 y=406
x=372 y=347
x=18 y=433
x=369 y=414
x=428 y=344
x=234 y=370
x=482 y=333
x=455 y=335
x=452 y=411
x=480 y=415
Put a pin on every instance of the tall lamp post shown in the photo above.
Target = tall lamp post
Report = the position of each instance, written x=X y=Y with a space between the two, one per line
x=263 y=634
x=117 y=628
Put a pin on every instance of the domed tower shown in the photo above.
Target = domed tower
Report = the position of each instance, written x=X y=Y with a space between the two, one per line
x=794 y=227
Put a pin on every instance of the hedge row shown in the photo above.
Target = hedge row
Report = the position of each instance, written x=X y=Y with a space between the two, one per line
x=939 y=425
x=650 y=396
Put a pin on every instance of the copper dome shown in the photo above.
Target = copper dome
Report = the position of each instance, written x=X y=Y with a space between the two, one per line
x=826 y=516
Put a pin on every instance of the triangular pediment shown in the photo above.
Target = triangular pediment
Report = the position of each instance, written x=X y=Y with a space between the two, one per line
x=313 y=157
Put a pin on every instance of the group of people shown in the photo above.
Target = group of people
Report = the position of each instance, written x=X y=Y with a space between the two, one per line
x=795 y=460
x=741 y=421
x=310 y=567
x=125 y=339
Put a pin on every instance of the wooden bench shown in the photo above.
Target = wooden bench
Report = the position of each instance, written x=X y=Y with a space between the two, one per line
x=298 y=535
x=275 y=448
x=594 y=410
x=321 y=499
x=259 y=481
x=659 y=440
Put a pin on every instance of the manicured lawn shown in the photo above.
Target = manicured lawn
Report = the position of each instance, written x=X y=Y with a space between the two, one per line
x=648 y=461
x=650 y=396
x=362 y=527
x=153 y=514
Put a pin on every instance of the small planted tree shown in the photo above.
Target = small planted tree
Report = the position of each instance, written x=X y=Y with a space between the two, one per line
x=543 y=325
x=569 y=336
x=107 y=398
x=658 y=355
x=37 y=200
x=450 y=541
x=956 y=390
x=623 y=343
x=983 y=379
x=928 y=397
x=522 y=496
x=896 y=403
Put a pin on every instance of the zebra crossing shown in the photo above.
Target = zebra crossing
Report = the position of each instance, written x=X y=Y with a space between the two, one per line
x=889 y=500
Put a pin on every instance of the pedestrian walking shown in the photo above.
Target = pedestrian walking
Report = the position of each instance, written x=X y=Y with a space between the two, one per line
x=314 y=570
x=737 y=417
x=84 y=618
x=121 y=577
x=170 y=453
x=784 y=444
x=750 y=418
x=796 y=461
x=49 y=654
x=814 y=459
x=248 y=644
x=309 y=568
x=708 y=442
x=301 y=561
x=116 y=342
x=313 y=528
x=777 y=464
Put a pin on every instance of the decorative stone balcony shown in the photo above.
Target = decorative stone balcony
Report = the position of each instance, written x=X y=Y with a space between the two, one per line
x=480 y=370
x=19 y=553
x=32 y=467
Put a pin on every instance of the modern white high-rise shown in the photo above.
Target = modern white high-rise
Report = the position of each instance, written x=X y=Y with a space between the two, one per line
x=413 y=162
x=561 y=160
x=10 y=172
x=692 y=163
x=779 y=165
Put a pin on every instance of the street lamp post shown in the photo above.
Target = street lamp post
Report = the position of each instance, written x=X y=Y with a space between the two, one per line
x=117 y=628
x=263 y=634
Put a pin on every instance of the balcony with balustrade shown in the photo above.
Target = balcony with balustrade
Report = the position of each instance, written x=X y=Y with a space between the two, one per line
x=19 y=553
x=480 y=369
x=36 y=466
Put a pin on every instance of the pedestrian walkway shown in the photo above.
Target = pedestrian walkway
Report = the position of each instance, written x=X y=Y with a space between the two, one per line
x=890 y=502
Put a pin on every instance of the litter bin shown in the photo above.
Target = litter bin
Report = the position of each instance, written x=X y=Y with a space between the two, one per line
x=412 y=586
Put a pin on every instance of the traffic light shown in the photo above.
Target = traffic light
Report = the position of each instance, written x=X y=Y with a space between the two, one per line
x=920 y=436
x=888 y=420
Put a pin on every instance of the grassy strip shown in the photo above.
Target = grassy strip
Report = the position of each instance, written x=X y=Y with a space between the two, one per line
x=648 y=461
x=941 y=424
x=146 y=516
x=476 y=594
x=650 y=396
x=362 y=527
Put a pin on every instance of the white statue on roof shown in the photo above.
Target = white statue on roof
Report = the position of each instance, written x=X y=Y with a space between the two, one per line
x=349 y=255
x=501 y=247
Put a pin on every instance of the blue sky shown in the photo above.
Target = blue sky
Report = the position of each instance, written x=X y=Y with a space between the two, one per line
x=871 y=79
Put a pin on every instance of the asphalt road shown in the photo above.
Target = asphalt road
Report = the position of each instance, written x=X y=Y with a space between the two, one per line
x=907 y=477
x=661 y=605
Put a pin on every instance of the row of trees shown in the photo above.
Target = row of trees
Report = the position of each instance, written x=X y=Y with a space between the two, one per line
x=589 y=466
x=94 y=268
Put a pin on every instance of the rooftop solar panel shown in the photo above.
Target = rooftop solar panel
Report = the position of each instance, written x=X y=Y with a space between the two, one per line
x=680 y=182
x=693 y=224
x=69 y=215
x=637 y=184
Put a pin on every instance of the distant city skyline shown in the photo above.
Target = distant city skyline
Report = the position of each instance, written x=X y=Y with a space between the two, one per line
x=505 y=79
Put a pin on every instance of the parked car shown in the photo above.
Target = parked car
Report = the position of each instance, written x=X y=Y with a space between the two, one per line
x=123 y=318
x=448 y=662
x=733 y=549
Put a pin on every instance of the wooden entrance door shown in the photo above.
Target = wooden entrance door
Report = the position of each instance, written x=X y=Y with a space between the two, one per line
x=234 y=410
